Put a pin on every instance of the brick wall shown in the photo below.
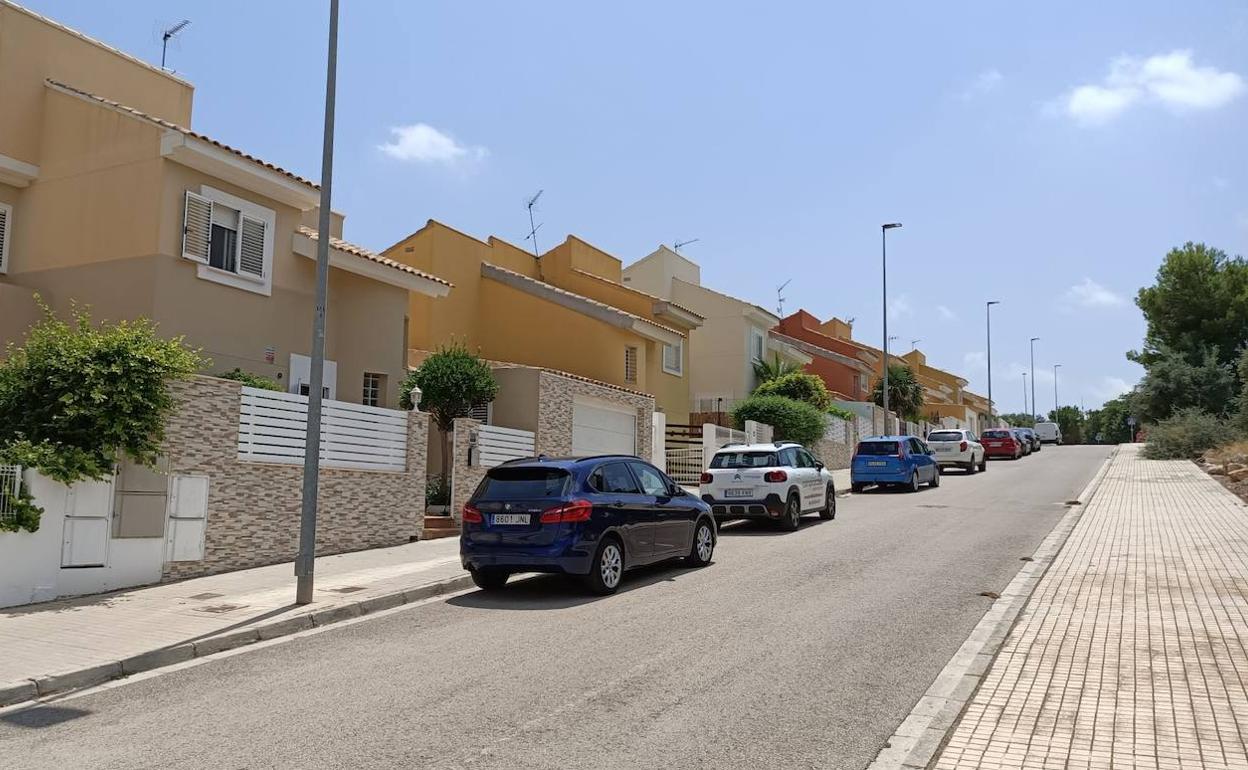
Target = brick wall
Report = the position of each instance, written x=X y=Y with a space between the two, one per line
x=254 y=508
x=554 y=415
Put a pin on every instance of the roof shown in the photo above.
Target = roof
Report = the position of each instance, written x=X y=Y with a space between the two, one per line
x=570 y=376
x=647 y=295
x=360 y=251
x=822 y=352
x=139 y=114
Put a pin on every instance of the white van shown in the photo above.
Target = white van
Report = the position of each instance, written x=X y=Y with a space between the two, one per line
x=1049 y=433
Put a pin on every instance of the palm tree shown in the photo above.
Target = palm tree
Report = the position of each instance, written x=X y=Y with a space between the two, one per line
x=905 y=394
x=765 y=371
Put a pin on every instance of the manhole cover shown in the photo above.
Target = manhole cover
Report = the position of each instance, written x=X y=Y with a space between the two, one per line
x=207 y=596
x=218 y=609
x=346 y=589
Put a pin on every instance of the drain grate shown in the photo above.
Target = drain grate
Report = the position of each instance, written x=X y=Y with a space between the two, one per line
x=218 y=609
x=205 y=597
x=346 y=589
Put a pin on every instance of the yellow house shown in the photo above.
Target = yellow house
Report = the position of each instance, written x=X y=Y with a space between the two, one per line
x=567 y=311
x=109 y=199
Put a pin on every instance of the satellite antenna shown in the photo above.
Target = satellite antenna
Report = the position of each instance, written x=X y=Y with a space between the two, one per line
x=169 y=34
x=532 y=236
x=780 y=297
x=678 y=244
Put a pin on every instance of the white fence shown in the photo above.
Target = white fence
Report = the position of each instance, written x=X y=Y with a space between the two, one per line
x=685 y=466
x=272 y=428
x=496 y=445
x=10 y=488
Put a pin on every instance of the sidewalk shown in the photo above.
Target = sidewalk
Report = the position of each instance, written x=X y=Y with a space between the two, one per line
x=1133 y=650
x=80 y=642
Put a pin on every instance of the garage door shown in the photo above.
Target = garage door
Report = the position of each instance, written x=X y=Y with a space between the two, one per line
x=600 y=428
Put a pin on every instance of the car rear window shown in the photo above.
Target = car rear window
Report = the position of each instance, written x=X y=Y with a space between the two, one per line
x=523 y=484
x=995 y=434
x=744 y=460
x=877 y=447
x=944 y=435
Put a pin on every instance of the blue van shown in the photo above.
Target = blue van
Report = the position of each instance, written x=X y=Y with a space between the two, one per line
x=901 y=460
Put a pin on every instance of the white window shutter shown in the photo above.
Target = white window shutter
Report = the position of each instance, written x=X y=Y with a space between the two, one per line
x=251 y=246
x=6 y=214
x=196 y=227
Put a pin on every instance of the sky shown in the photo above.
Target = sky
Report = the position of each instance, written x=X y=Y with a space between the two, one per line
x=1045 y=155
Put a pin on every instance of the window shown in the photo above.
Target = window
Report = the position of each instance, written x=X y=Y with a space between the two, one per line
x=945 y=435
x=522 y=484
x=877 y=448
x=743 y=460
x=614 y=478
x=757 y=344
x=6 y=235
x=630 y=365
x=674 y=358
x=788 y=458
x=231 y=239
x=374 y=389
x=804 y=459
x=652 y=483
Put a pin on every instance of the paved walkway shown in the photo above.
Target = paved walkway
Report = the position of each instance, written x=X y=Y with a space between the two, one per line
x=1133 y=651
x=71 y=635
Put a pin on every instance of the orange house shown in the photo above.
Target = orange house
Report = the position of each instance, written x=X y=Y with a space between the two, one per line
x=836 y=361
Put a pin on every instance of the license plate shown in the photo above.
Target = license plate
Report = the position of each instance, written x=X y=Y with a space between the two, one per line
x=510 y=518
x=876 y=462
x=944 y=449
x=738 y=492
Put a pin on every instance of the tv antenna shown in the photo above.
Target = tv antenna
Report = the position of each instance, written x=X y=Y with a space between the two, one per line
x=532 y=236
x=915 y=343
x=780 y=297
x=167 y=35
x=676 y=246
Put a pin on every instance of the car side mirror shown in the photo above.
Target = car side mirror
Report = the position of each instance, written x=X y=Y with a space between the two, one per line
x=819 y=466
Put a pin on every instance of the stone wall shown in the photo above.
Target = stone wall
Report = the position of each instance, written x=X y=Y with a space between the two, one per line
x=254 y=508
x=554 y=411
x=464 y=477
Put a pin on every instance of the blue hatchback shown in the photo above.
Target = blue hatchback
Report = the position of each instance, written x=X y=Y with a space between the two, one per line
x=595 y=517
x=902 y=460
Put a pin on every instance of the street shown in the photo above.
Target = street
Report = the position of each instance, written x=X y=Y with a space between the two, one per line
x=789 y=651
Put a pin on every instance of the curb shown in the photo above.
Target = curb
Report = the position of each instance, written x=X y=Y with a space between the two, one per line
x=922 y=734
x=23 y=690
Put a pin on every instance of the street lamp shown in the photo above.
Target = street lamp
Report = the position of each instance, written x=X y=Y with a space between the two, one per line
x=1055 y=407
x=884 y=228
x=1033 y=378
x=988 y=314
x=1024 y=392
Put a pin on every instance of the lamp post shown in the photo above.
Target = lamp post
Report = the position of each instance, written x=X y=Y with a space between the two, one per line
x=988 y=314
x=884 y=228
x=306 y=558
x=1055 y=406
x=1033 y=378
x=1024 y=392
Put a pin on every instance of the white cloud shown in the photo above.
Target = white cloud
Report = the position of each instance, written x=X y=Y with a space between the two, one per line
x=1089 y=293
x=1110 y=387
x=1171 y=80
x=975 y=360
x=422 y=143
x=945 y=313
x=984 y=82
x=899 y=307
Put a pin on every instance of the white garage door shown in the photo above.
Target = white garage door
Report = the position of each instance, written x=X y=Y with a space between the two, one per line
x=600 y=428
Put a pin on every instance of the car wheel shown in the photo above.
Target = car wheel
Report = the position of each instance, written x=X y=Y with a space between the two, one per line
x=971 y=467
x=792 y=514
x=489 y=579
x=983 y=463
x=703 y=545
x=829 y=505
x=913 y=486
x=857 y=487
x=607 y=569
x=935 y=482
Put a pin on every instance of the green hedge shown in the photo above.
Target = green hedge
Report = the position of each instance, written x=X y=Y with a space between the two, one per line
x=793 y=420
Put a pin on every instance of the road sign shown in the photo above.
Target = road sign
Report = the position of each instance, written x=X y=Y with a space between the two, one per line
x=1130 y=422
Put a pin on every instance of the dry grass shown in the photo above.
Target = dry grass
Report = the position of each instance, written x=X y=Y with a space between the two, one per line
x=1231 y=452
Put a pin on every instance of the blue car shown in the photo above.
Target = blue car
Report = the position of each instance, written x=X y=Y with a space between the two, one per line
x=594 y=516
x=901 y=460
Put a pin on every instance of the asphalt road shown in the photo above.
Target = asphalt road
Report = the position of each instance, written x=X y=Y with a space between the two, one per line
x=798 y=650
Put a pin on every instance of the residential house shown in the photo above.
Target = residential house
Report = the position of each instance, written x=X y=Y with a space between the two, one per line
x=845 y=368
x=734 y=335
x=566 y=311
x=109 y=199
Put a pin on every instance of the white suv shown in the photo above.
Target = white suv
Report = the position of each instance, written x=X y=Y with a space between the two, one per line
x=779 y=482
x=958 y=448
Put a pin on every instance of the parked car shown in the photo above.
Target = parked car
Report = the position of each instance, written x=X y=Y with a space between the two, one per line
x=1001 y=442
x=1032 y=438
x=780 y=482
x=1049 y=433
x=957 y=448
x=594 y=516
x=1024 y=443
x=898 y=460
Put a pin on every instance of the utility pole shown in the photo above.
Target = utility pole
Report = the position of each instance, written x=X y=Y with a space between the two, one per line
x=1055 y=406
x=1033 y=377
x=884 y=263
x=304 y=563
x=1025 y=393
x=988 y=313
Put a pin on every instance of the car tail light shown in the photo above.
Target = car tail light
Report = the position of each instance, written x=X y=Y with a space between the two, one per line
x=707 y=478
x=471 y=515
x=772 y=477
x=577 y=510
x=962 y=447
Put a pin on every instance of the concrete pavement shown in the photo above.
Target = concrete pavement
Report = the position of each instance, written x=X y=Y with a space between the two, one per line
x=791 y=650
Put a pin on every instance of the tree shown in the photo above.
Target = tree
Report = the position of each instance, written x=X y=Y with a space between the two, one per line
x=1174 y=381
x=1018 y=420
x=766 y=371
x=1200 y=300
x=452 y=381
x=905 y=394
x=1108 y=425
x=799 y=386
x=1069 y=420
x=251 y=380
x=792 y=420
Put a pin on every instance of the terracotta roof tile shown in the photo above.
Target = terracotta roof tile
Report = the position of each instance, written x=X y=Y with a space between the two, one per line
x=360 y=251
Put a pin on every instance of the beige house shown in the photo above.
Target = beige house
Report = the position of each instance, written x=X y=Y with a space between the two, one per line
x=109 y=199
x=734 y=334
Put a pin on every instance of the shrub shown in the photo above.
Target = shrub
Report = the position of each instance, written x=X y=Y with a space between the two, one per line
x=438 y=490
x=845 y=414
x=792 y=420
x=251 y=380
x=798 y=386
x=1186 y=434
